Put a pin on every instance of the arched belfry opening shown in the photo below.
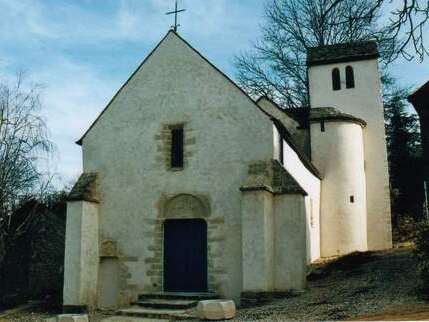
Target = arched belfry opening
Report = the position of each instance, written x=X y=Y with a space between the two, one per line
x=350 y=77
x=336 y=80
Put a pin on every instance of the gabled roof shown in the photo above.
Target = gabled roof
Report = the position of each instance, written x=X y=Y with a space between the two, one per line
x=345 y=52
x=283 y=131
x=420 y=98
x=79 y=142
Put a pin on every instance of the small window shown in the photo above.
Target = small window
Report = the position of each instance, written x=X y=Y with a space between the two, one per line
x=177 y=147
x=352 y=199
x=322 y=125
x=281 y=150
x=350 y=77
x=336 y=81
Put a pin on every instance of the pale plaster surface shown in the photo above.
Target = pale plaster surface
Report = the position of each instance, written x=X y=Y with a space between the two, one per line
x=274 y=245
x=365 y=102
x=229 y=133
x=311 y=184
x=71 y=293
x=108 y=287
x=289 y=230
x=338 y=153
x=258 y=242
x=81 y=254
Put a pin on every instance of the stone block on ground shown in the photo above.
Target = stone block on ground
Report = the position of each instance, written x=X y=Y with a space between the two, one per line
x=216 y=309
x=72 y=318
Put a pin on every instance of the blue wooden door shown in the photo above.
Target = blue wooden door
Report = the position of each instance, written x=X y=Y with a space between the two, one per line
x=185 y=255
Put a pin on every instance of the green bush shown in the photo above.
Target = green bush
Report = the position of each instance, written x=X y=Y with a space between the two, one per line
x=422 y=253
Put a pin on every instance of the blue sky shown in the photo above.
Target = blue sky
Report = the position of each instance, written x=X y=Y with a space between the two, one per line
x=81 y=51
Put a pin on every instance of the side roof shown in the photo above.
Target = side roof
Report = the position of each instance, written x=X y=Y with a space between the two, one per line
x=420 y=98
x=299 y=114
x=345 y=52
x=79 y=142
x=286 y=135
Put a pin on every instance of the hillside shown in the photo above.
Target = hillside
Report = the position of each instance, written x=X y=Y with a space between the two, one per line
x=359 y=285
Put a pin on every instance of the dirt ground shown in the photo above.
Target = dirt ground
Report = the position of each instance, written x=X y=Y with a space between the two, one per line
x=406 y=313
x=376 y=285
x=366 y=287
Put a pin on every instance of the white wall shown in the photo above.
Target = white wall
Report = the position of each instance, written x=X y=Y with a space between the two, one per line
x=229 y=131
x=81 y=254
x=339 y=155
x=257 y=215
x=72 y=256
x=289 y=230
x=311 y=184
x=274 y=241
x=365 y=102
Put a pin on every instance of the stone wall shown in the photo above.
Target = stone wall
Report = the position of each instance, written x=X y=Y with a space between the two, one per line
x=164 y=145
x=185 y=206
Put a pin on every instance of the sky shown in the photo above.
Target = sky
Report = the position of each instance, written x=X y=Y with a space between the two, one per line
x=82 y=51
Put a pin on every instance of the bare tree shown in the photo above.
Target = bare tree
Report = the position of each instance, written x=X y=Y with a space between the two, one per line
x=406 y=27
x=23 y=139
x=276 y=67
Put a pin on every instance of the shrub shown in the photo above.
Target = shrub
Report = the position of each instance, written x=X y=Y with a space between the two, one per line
x=422 y=253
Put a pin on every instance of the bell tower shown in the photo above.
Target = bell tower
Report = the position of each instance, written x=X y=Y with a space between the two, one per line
x=345 y=89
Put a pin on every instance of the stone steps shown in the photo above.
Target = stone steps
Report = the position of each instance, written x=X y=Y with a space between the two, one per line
x=167 y=305
x=168 y=314
x=179 y=296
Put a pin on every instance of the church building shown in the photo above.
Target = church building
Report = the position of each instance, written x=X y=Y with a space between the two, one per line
x=189 y=185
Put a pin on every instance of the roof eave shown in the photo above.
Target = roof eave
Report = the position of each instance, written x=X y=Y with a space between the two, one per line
x=341 y=60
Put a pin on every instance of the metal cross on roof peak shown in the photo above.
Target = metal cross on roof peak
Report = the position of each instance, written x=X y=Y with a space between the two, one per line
x=176 y=11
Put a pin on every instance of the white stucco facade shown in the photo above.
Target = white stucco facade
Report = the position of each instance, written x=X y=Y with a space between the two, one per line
x=81 y=257
x=268 y=207
x=363 y=101
x=338 y=153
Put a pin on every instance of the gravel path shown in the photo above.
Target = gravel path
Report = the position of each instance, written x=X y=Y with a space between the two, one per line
x=355 y=285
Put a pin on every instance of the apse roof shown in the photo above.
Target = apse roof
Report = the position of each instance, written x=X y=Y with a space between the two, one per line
x=331 y=113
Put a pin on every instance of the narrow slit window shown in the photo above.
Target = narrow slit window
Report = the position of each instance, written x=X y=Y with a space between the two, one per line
x=336 y=80
x=281 y=150
x=350 y=77
x=352 y=199
x=322 y=125
x=177 y=147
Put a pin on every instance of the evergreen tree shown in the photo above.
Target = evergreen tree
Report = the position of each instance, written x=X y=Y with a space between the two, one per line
x=404 y=156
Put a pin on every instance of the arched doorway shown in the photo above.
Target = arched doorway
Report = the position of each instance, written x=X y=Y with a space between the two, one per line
x=185 y=255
